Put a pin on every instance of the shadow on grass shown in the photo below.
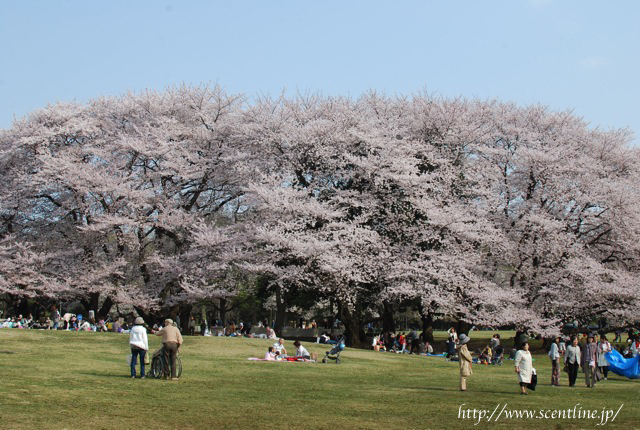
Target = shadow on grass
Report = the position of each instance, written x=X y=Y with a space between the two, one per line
x=110 y=375
x=470 y=390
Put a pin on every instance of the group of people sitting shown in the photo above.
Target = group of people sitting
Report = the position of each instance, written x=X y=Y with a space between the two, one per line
x=69 y=322
x=490 y=354
x=18 y=322
x=412 y=343
x=232 y=329
x=278 y=352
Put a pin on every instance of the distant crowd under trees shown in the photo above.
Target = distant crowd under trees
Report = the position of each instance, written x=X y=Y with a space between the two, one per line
x=483 y=212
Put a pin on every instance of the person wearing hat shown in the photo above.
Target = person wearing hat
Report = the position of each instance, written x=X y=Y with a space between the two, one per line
x=139 y=345
x=171 y=341
x=465 y=360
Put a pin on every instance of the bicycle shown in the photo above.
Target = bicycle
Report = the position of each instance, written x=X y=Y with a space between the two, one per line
x=157 y=368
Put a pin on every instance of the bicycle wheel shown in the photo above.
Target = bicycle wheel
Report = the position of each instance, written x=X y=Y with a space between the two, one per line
x=157 y=367
x=178 y=366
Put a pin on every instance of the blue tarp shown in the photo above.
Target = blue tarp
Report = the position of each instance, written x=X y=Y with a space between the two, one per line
x=629 y=367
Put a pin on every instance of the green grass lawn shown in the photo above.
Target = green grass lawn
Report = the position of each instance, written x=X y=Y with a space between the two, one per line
x=58 y=380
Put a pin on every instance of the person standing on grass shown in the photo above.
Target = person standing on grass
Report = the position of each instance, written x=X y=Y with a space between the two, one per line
x=495 y=342
x=452 y=333
x=54 y=316
x=554 y=355
x=413 y=341
x=192 y=326
x=603 y=347
x=465 y=361
x=635 y=347
x=618 y=337
x=139 y=346
x=171 y=342
x=572 y=360
x=524 y=367
x=562 y=347
x=589 y=361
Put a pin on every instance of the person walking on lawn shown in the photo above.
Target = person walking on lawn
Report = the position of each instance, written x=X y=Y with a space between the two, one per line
x=572 y=360
x=465 y=361
x=589 y=361
x=554 y=355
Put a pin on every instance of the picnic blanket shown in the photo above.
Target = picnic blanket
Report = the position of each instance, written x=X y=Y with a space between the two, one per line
x=283 y=360
x=628 y=367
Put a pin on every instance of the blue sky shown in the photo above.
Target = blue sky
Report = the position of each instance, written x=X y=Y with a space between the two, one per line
x=568 y=54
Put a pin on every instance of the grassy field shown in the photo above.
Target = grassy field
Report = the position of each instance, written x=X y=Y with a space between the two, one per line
x=64 y=380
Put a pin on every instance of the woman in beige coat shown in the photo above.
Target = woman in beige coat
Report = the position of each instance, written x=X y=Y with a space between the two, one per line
x=465 y=361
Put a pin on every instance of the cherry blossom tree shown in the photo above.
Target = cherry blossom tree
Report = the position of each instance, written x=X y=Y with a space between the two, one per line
x=563 y=194
x=481 y=211
x=124 y=181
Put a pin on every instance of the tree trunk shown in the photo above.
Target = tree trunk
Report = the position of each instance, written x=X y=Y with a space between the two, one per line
x=22 y=307
x=25 y=308
x=185 y=315
x=149 y=318
x=281 y=311
x=388 y=322
x=516 y=339
x=223 y=311
x=427 y=328
x=90 y=303
x=105 y=308
x=463 y=327
x=203 y=314
x=353 y=332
